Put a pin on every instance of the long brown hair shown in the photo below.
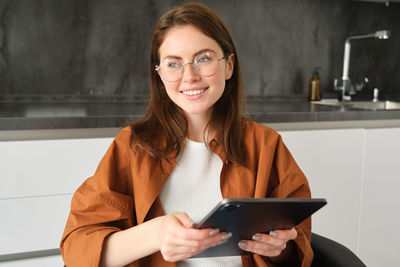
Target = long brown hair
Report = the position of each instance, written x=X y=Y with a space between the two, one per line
x=164 y=127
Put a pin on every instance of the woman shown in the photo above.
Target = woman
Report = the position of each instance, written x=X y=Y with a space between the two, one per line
x=192 y=149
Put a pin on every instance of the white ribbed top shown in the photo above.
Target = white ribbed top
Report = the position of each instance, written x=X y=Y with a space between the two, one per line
x=194 y=188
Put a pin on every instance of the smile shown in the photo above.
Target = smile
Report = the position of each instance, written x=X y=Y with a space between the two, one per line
x=194 y=92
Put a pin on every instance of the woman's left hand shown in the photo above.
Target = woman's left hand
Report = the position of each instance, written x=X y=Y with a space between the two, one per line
x=269 y=245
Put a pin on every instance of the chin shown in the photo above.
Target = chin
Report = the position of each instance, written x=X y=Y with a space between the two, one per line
x=196 y=111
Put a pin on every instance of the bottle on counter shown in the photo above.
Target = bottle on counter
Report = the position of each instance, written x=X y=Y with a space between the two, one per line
x=315 y=86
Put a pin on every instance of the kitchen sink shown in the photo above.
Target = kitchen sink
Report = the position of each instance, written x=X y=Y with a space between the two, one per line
x=378 y=105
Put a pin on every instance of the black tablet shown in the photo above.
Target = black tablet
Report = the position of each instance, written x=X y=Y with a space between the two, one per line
x=244 y=217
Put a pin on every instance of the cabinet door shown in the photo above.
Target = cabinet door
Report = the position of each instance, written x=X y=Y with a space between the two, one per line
x=380 y=209
x=48 y=167
x=32 y=224
x=332 y=160
x=36 y=186
x=53 y=261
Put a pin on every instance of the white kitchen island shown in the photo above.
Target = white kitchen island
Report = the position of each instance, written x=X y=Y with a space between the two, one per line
x=354 y=165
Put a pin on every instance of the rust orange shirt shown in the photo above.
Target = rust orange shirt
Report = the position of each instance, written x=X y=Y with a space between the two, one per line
x=125 y=188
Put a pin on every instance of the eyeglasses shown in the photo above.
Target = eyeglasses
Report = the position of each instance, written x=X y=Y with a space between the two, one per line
x=205 y=64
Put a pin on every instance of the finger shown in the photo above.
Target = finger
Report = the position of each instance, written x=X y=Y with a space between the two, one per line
x=260 y=248
x=178 y=241
x=204 y=243
x=215 y=241
x=284 y=234
x=177 y=256
x=184 y=219
x=183 y=255
x=183 y=251
x=211 y=244
x=197 y=234
x=272 y=241
x=177 y=249
x=183 y=228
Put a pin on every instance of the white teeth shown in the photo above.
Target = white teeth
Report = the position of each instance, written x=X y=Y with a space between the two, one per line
x=193 y=92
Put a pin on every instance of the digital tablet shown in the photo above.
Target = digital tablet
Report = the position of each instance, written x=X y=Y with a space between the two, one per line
x=244 y=217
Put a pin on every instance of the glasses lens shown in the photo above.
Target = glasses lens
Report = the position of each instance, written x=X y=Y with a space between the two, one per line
x=171 y=69
x=206 y=63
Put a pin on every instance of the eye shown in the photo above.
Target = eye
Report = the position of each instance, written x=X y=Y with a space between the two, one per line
x=203 y=59
x=172 y=65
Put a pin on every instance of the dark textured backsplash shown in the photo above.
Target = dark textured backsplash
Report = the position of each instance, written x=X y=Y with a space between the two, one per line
x=101 y=47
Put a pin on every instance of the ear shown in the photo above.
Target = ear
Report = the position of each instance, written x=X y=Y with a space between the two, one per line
x=159 y=75
x=157 y=70
x=229 y=66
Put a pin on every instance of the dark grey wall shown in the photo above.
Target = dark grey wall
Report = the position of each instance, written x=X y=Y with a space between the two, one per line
x=101 y=47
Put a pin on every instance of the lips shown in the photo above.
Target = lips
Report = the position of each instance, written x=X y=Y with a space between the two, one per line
x=193 y=92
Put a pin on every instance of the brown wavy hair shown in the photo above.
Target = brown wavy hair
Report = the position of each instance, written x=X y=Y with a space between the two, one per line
x=164 y=127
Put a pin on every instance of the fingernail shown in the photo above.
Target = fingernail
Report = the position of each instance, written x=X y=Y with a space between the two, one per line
x=256 y=237
x=191 y=224
x=214 y=232
x=242 y=244
x=222 y=241
x=273 y=233
x=227 y=235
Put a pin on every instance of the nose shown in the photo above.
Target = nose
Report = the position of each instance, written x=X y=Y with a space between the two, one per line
x=189 y=73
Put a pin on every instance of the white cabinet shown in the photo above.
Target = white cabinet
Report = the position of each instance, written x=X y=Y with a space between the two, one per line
x=31 y=224
x=358 y=172
x=38 y=178
x=53 y=261
x=380 y=207
x=47 y=167
x=332 y=160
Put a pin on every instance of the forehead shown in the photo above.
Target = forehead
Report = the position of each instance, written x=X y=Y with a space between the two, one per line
x=185 y=42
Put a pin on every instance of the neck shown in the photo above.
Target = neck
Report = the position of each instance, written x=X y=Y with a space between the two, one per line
x=197 y=125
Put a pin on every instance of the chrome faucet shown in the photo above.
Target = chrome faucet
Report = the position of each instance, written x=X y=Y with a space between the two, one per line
x=346 y=87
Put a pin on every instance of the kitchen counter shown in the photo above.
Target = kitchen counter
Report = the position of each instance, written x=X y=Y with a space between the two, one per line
x=40 y=116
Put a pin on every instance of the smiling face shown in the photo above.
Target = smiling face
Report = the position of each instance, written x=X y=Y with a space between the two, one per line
x=193 y=93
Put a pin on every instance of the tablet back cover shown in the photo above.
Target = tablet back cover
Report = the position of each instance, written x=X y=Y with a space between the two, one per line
x=245 y=217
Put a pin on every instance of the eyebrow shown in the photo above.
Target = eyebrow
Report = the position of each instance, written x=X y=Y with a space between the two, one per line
x=196 y=54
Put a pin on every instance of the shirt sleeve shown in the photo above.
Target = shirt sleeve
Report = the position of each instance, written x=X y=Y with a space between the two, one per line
x=103 y=204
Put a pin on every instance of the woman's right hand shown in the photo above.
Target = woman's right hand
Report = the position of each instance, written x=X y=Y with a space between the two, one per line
x=178 y=239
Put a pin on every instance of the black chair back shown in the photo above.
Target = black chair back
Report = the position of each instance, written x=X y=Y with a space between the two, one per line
x=329 y=253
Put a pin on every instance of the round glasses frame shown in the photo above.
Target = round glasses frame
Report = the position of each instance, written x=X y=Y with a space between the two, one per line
x=195 y=65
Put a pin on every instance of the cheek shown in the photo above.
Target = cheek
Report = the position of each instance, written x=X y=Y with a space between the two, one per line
x=218 y=81
x=171 y=88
